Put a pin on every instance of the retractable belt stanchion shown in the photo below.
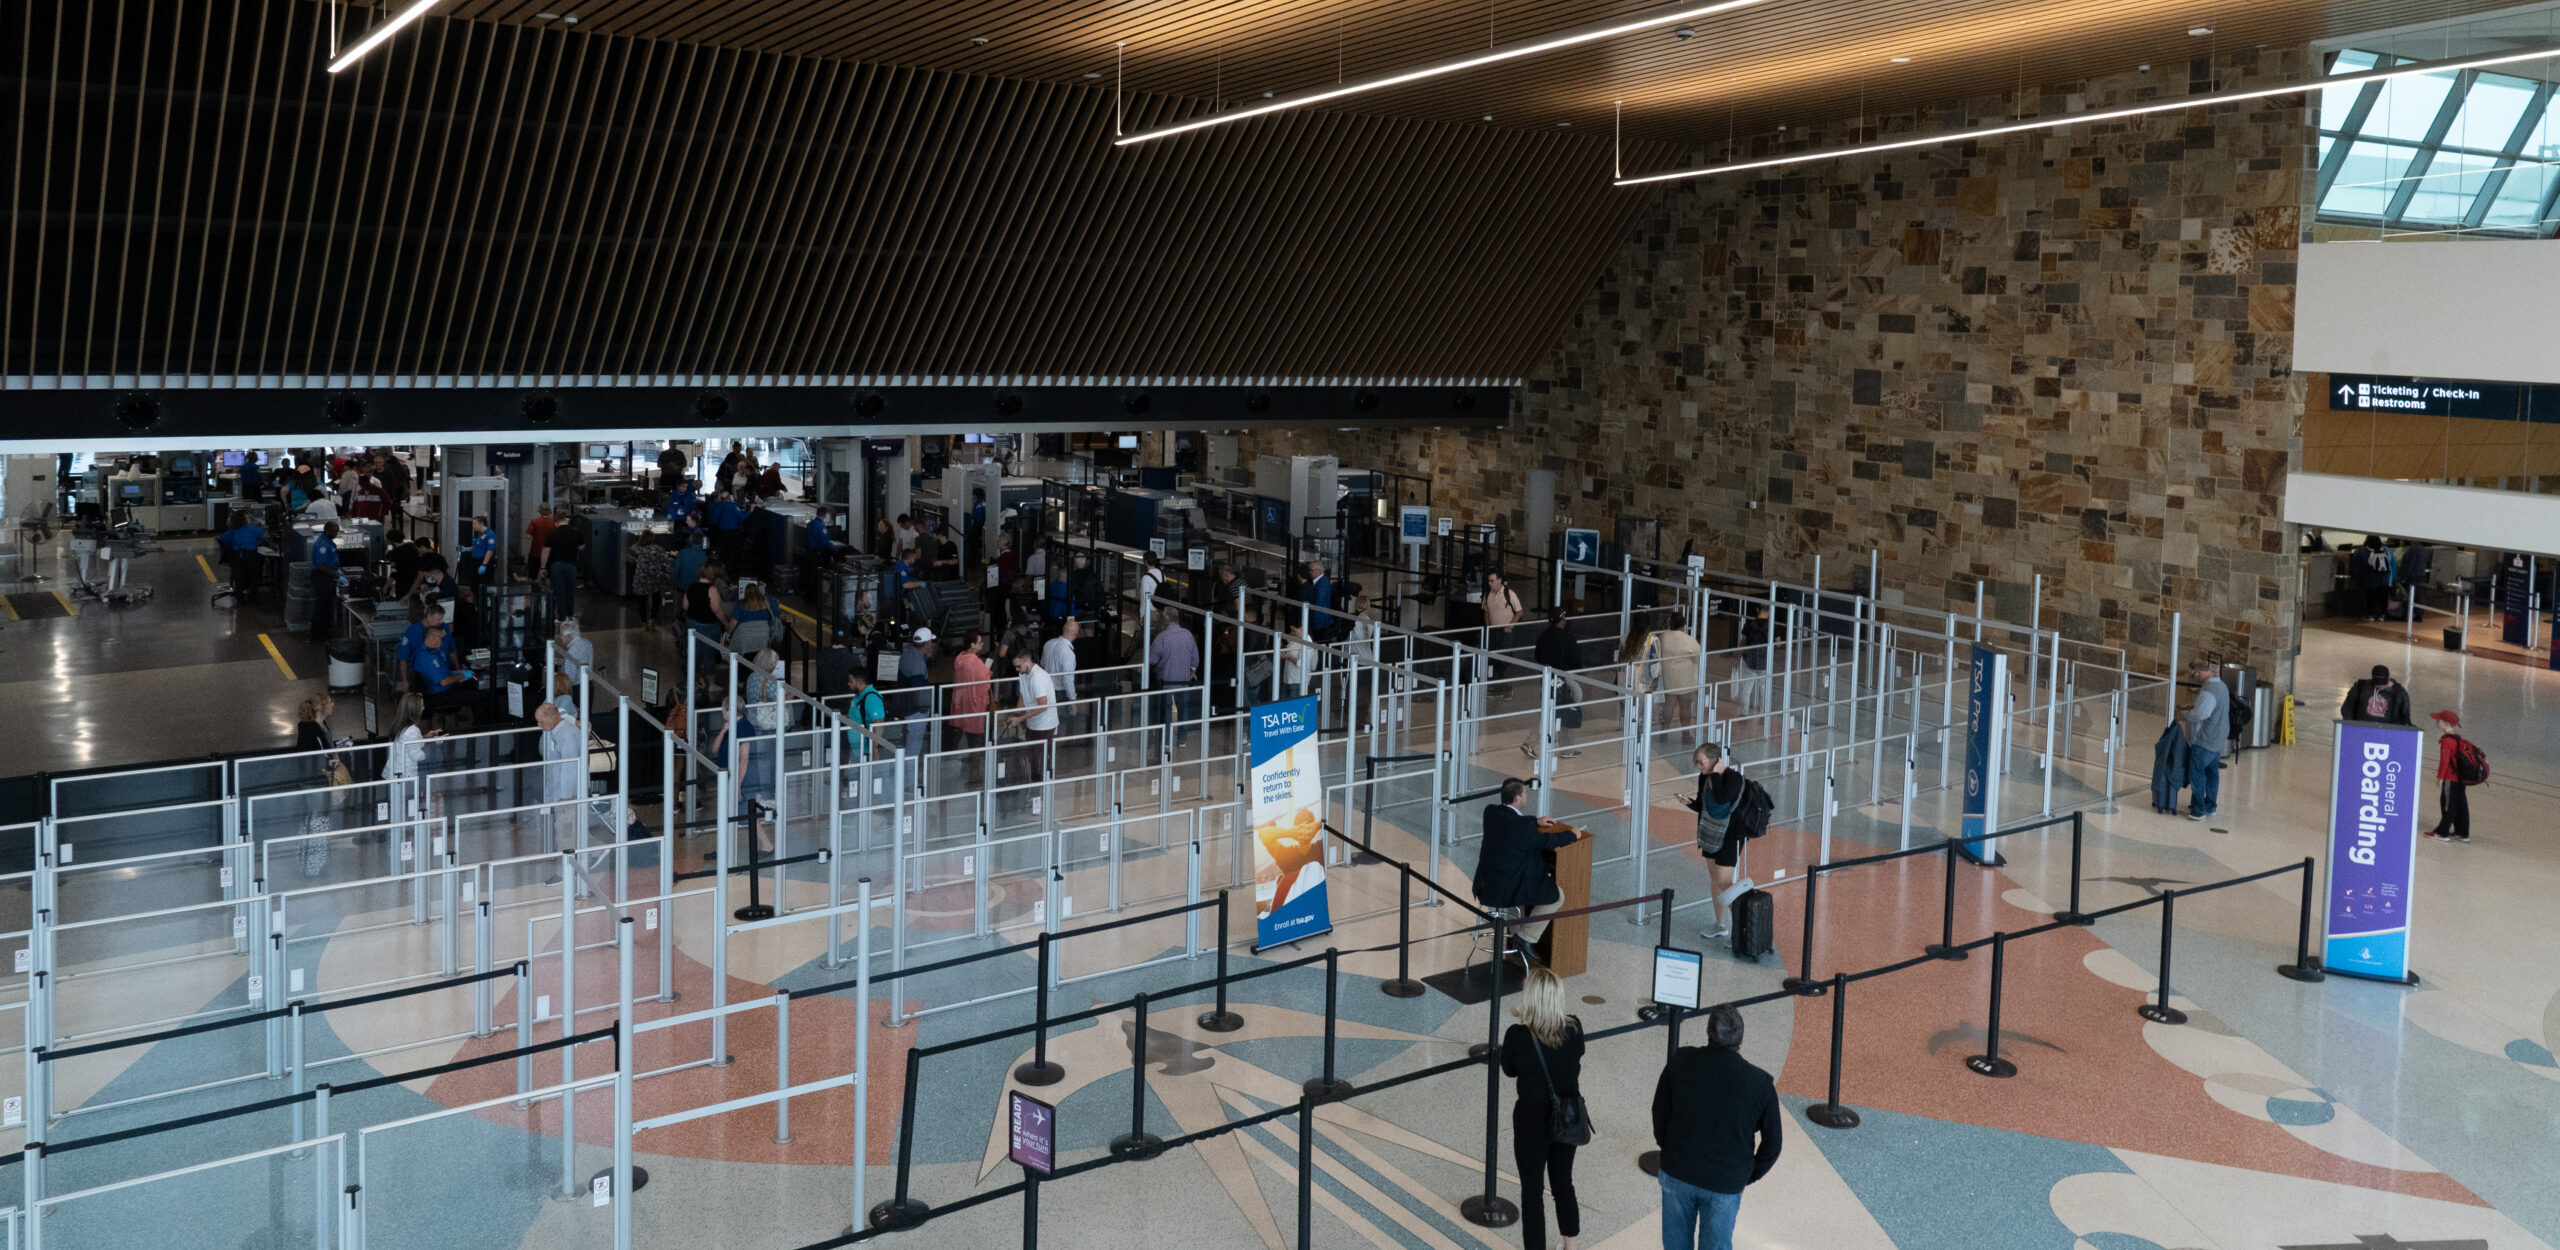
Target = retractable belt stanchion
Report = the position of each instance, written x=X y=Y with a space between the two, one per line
x=1138 y=1143
x=1040 y=1071
x=1989 y=1062
x=1403 y=986
x=1945 y=947
x=1829 y=1113
x=2072 y=914
x=1802 y=982
x=1490 y=1209
x=903 y=1211
x=2305 y=965
x=1221 y=1020
x=1327 y=1088
x=2161 y=1012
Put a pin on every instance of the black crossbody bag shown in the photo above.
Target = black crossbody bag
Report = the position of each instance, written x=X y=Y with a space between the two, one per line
x=1572 y=1118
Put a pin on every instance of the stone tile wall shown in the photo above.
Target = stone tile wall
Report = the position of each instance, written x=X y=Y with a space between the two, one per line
x=2062 y=353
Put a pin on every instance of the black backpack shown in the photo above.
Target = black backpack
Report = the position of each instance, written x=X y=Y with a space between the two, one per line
x=1750 y=812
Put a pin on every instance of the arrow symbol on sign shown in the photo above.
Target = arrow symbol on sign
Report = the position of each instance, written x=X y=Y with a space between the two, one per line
x=2345 y=392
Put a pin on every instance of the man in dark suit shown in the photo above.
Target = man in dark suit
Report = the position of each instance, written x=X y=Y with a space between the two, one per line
x=1510 y=871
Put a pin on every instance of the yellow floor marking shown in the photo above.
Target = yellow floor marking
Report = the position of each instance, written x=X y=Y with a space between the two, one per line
x=67 y=608
x=278 y=656
x=7 y=612
x=208 y=569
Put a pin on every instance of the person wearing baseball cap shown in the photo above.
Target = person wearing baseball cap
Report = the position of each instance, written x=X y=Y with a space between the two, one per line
x=913 y=702
x=2460 y=765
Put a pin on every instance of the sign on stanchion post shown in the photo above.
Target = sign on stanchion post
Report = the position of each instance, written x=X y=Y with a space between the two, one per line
x=1288 y=828
x=2373 y=838
x=1986 y=745
x=1033 y=1137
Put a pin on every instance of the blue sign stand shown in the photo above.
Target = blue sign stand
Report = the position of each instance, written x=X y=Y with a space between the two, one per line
x=2378 y=773
x=1985 y=743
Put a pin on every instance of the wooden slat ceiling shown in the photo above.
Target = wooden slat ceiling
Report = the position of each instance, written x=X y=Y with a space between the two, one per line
x=192 y=196
x=1749 y=70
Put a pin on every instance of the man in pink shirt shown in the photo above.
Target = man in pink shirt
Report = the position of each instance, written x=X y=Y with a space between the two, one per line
x=970 y=683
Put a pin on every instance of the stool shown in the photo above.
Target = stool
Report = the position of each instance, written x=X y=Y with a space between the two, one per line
x=1511 y=942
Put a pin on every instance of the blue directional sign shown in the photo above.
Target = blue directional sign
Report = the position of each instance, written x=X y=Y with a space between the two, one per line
x=1582 y=547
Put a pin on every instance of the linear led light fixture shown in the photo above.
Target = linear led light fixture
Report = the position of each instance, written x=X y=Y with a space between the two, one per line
x=1571 y=36
x=379 y=33
x=2072 y=119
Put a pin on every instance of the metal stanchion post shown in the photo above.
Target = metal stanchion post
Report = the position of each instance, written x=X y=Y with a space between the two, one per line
x=1490 y=1209
x=903 y=1211
x=862 y=1045
x=1802 y=983
x=1945 y=947
x=1306 y=1172
x=1221 y=1020
x=2161 y=1012
x=1989 y=1062
x=781 y=1064
x=1327 y=1088
x=2305 y=965
x=2073 y=914
x=1138 y=1143
x=1829 y=1113
x=1040 y=1071
x=1404 y=986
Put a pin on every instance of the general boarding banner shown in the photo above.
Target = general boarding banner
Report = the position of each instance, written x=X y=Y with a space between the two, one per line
x=1287 y=817
x=2373 y=837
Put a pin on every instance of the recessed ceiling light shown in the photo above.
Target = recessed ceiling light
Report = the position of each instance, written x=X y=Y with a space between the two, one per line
x=1902 y=60
x=2199 y=31
x=546 y=17
x=2143 y=68
x=1488 y=117
x=1564 y=123
x=1684 y=32
x=978 y=39
x=1092 y=75
x=1266 y=95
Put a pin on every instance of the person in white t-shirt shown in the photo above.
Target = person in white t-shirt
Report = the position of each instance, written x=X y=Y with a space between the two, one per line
x=1150 y=579
x=1038 y=713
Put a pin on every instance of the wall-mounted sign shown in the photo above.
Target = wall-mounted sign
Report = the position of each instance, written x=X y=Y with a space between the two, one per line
x=2494 y=401
x=883 y=448
x=1582 y=547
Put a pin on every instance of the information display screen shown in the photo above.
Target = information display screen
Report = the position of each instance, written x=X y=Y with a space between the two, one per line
x=1676 y=975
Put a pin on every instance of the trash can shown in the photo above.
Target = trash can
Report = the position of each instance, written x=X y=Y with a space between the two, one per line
x=2453 y=638
x=346 y=663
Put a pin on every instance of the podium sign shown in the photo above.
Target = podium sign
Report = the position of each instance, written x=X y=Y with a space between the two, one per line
x=2373 y=839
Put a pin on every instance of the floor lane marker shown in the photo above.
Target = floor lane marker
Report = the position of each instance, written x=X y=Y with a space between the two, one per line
x=208 y=569
x=277 y=656
x=68 y=608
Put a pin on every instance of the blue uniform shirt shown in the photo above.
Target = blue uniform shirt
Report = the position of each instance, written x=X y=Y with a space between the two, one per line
x=818 y=540
x=483 y=548
x=324 y=553
x=432 y=668
x=681 y=503
x=727 y=515
x=688 y=566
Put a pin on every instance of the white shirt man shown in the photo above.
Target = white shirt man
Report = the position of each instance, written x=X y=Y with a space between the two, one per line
x=1058 y=659
x=1039 y=697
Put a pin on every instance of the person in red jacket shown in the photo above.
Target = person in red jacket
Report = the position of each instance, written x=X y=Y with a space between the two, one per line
x=2453 y=802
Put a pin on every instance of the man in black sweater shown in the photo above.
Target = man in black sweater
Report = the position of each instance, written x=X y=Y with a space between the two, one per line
x=1707 y=1109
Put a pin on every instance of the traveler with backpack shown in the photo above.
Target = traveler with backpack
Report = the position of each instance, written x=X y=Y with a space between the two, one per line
x=2377 y=699
x=2460 y=765
x=2208 y=725
x=1732 y=809
x=2370 y=566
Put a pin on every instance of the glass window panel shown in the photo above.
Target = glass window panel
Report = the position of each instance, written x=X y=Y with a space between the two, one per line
x=2408 y=107
x=2544 y=139
x=2519 y=202
x=2367 y=179
x=2445 y=192
x=2490 y=112
x=2337 y=102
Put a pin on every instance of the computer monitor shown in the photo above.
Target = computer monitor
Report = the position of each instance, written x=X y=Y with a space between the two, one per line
x=233 y=459
x=130 y=492
x=1128 y=442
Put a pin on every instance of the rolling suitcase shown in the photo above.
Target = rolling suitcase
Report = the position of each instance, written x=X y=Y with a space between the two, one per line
x=1755 y=924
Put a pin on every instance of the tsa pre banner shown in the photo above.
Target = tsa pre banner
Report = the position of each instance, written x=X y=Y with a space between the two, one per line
x=1287 y=814
x=1986 y=742
x=2373 y=838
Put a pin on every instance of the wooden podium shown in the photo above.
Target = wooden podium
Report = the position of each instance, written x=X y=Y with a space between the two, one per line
x=1566 y=946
